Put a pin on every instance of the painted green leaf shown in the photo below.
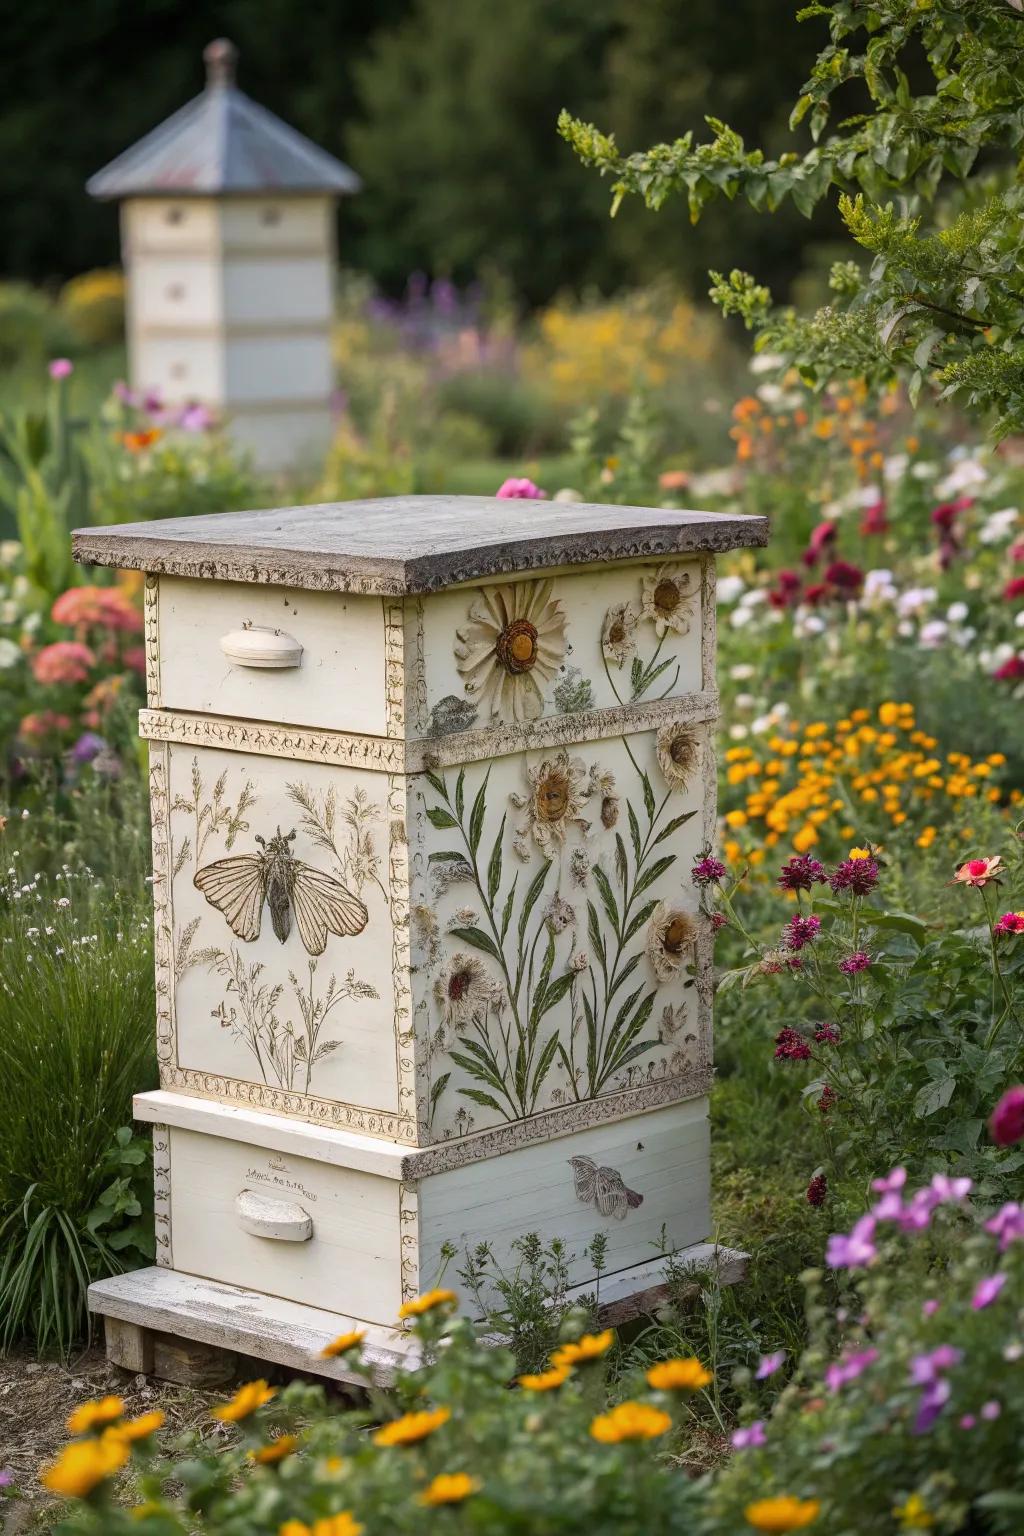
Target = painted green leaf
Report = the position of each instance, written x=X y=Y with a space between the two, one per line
x=543 y=1066
x=449 y=856
x=649 y=804
x=653 y=872
x=477 y=939
x=607 y=896
x=506 y=916
x=439 y=818
x=437 y=1089
x=494 y=866
x=634 y=832
x=624 y=974
x=436 y=782
x=532 y=897
x=673 y=826
x=557 y=990
x=476 y=819
x=621 y=864
x=483 y=1098
x=638 y=920
x=460 y=794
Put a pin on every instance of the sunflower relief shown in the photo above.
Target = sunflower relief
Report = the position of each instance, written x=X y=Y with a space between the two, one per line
x=511 y=649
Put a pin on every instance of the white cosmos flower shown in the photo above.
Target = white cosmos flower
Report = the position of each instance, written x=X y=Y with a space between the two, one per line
x=730 y=588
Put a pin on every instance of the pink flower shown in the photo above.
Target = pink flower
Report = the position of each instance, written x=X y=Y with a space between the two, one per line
x=196 y=418
x=790 y=1045
x=753 y=1434
x=986 y=1291
x=892 y=1183
x=857 y=875
x=854 y=1250
x=1014 y=589
x=827 y=1034
x=926 y=1368
x=1010 y=670
x=821 y=537
x=801 y=872
x=991 y=1410
x=708 y=871
x=718 y=920
x=66 y=661
x=968 y=1421
x=978 y=872
x=39 y=727
x=841 y=1372
x=858 y=961
x=1010 y=922
x=769 y=1364
x=874 y=519
x=61 y=367
x=1006 y=1125
x=930 y=1307
x=1007 y=1224
x=947 y=1191
x=520 y=489
x=817 y=1190
x=135 y=658
x=800 y=931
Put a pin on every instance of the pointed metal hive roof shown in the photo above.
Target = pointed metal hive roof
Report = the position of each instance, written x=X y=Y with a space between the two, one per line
x=221 y=143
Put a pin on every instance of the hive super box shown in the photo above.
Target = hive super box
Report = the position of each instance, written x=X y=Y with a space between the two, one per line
x=428 y=779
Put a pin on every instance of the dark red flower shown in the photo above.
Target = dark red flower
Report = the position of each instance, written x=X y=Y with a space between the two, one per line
x=815 y=592
x=827 y=1034
x=790 y=1045
x=856 y=875
x=801 y=872
x=827 y=1100
x=718 y=920
x=1007 y=1123
x=817 y=1190
x=708 y=871
x=1014 y=589
x=821 y=537
x=1010 y=670
x=800 y=931
x=844 y=576
x=874 y=519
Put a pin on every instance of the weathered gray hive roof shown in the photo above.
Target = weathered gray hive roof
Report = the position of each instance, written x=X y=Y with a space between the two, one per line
x=407 y=544
x=222 y=143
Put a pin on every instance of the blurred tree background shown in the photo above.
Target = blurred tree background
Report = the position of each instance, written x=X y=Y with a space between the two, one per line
x=447 y=109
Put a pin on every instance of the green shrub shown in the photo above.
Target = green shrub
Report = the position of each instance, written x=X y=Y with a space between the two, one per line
x=30 y=328
x=76 y=1041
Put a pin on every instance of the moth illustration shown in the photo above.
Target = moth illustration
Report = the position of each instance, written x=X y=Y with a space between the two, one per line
x=604 y=1188
x=239 y=886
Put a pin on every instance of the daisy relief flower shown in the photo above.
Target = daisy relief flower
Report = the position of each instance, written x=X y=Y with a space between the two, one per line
x=678 y=752
x=618 y=633
x=667 y=601
x=513 y=644
x=670 y=938
x=463 y=989
x=559 y=789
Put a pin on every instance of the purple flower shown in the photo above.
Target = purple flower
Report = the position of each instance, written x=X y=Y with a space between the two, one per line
x=889 y=1208
x=769 y=1364
x=968 y=1421
x=991 y=1410
x=931 y=1403
x=854 y=1250
x=841 y=1372
x=123 y=393
x=930 y=1307
x=1007 y=1224
x=927 y=1368
x=800 y=931
x=195 y=418
x=892 y=1182
x=61 y=367
x=917 y=1214
x=858 y=961
x=6 y=1478
x=857 y=875
x=986 y=1291
x=1006 y=1125
x=708 y=871
x=801 y=872
x=88 y=746
x=152 y=401
x=753 y=1434
x=520 y=489
x=949 y=1191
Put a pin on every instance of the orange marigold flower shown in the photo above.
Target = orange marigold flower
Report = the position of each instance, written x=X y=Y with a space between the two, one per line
x=138 y=1429
x=449 y=1488
x=95 y=1414
x=679 y=1376
x=781 y=1514
x=343 y=1343
x=276 y=1450
x=83 y=1465
x=590 y=1347
x=412 y=1427
x=630 y=1421
x=546 y=1381
x=427 y=1303
x=253 y=1395
x=342 y=1524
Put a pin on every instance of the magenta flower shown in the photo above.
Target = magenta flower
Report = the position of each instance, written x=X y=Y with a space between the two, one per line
x=769 y=1364
x=790 y=1045
x=857 y=875
x=968 y=1421
x=892 y=1183
x=888 y=1208
x=1010 y=922
x=800 y=931
x=753 y=1434
x=801 y=872
x=1007 y=1224
x=930 y=1307
x=986 y=1291
x=854 y=1250
x=708 y=871
x=928 y=1367
x=61 y=367
x=520 y=489
x=827 y=1100
x=195 y=418
x=841 y=1372
x=718 y=920
x=1006 y=1125
x=858 y=961
x=949 y=1191
x=817 y=1190
x=991 y=1410
x=827 y=1034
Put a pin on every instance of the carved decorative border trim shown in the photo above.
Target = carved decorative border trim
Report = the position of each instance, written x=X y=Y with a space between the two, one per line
x=401 y=951
x=709 y=627
x=394 y=670
x=409 y=1239
x=162 y=1195
x=296 y=1106
x=384 y=755
x=151 y=634
x=163 y=929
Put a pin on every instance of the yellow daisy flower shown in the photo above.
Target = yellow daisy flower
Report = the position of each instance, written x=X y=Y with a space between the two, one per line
x=275 y=1451
x=679 y=1376
x=781 y=1514
x=412 y=1427
x=245 y=1401
x=82 y=1466
x=546 y=1380
x=449 y=1488
x=427 y=1303
x=93 y=1415
x=630 y=1421
x=590 y=1347
x=343 y=1343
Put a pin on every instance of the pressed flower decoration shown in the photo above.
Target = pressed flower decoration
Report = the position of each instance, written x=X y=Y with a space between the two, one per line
x=678 y=751
x=671 y=935
x=559 y=789
x=618 y=633
x=511 y=647
x=463 y=989
x=667 y=601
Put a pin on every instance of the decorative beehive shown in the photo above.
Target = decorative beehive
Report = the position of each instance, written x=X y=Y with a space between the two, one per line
x=228 y=242
x=429 y=777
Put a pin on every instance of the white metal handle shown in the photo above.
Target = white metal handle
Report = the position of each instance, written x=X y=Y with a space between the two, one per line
x=257 y=646
x=264 y=1216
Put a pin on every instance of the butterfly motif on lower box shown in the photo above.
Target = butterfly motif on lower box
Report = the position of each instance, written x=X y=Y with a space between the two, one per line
x=239 y=886
x=603 y=1187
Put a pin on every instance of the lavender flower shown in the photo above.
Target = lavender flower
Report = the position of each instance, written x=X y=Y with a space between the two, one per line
x=986 y=1291
x=841 y=1372
x=753 y=1434
x=854 y=1250
x=769 y=1364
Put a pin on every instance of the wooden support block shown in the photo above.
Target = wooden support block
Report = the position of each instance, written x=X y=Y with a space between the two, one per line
x=129 y=1345
x=188 y=1363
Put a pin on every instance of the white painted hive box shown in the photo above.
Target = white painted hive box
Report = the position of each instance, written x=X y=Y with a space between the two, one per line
x=429 y=776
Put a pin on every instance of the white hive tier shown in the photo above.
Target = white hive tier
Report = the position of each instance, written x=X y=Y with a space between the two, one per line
x=428 y=776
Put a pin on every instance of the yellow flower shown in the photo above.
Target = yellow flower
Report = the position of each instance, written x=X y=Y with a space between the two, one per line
x=427 y=1303
x=136 y=1429
x=342 y=1524
x=449 y=1488
x=82 y=1466
x=343 y=1343
x=94 y=1415
x=590 y=1347
x=784 y=1513
x=630 y=1421
x=412 y=1427
x=859 y=853
x=546 y=1380
x=277 y=1450
x=245 y=1401
x=679 y=1376
x=913 y=1515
